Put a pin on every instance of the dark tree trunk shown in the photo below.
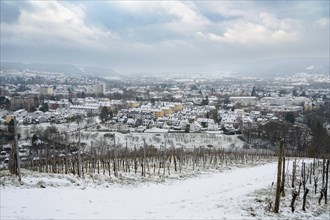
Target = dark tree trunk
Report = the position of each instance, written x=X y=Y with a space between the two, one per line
x=283 y=177
x=304 y=199
x=294 y=196
x=278 y=184
x=326 y=183
x=321 y=196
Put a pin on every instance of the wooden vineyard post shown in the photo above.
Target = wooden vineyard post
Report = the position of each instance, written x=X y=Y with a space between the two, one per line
x=53 y=154
x=109 y=160
x=279 y=174
x=323 y=172
x=66 y=159
x=193 y=158
x=79 y=164
x=46 y=158
x=164 y=158
x=144 y=158
x=326 y=183
x=181 y=158
x=293 y=173
x=115 y=156
x=283 y=176
x=15 y=163
x=125 y=168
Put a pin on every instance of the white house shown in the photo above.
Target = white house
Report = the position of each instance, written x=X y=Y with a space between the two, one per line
x=195 y=127
x=20 y=113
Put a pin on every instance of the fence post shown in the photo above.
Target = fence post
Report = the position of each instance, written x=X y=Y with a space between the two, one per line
x=326 y=183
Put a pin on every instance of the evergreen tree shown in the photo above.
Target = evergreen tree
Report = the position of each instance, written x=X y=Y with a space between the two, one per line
x=290 y=117
x=104 y=115
x=44 y=107
x=320 y=140
x=186 y=130
x=294 y=92
x=253 y=93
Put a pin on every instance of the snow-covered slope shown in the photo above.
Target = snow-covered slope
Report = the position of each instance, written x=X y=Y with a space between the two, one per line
x=229 y=194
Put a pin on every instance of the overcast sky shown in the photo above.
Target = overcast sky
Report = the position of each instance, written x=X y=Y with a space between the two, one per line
x=168 y=36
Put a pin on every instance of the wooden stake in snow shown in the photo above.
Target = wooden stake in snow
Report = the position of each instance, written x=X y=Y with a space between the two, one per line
x=283 y=177
x=66 y=159
x=326 y=183
x=323 y=172
x=18 y=163
x=125 y=169
x=144 y=158
x=164 y=159
x=293 y=173
x=115 y=154
x=193 y=158
x=279 y=174
x=79 y=156
x=181 y=158
x=54 y=155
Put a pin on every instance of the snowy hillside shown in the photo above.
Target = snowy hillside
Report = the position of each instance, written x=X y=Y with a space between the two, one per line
x=134 y=139
x=229 y=193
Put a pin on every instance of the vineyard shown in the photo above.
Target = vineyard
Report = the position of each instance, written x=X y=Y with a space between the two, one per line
x=303 y=189
x=146 y=160
x=300 y=184
x=303 y=183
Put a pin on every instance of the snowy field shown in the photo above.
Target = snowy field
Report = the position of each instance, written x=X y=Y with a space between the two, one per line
x=236 y=193
x=92 y=136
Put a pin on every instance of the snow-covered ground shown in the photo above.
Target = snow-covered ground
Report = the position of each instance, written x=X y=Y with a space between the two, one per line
x=223 y=194
x=135 y=139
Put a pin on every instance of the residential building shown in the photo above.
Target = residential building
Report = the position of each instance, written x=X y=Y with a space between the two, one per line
x=99 y=89
x=46 y=91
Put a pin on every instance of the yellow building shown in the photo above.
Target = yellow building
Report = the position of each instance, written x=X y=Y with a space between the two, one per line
x=158 y=113
x=46 y=91
x=309 y=106
x=167 y=111
x=9 y=118
x=178 y=107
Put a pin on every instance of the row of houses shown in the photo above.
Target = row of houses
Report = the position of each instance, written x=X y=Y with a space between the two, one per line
x=171 y=115
x=174 y=116
x=58 y=116
x=150 y=111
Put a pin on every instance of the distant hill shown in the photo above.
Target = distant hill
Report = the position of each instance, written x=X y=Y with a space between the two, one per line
x=284 y=67
x=61 y=68
x=97 y=71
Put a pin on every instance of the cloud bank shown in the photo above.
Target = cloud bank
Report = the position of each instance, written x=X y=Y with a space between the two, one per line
x=169 y=36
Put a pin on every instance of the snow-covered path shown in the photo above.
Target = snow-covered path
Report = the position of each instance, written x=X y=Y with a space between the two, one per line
x=216 y=195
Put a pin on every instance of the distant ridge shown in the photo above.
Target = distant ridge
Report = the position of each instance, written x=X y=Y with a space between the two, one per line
x=285 y=66
x=68 y=69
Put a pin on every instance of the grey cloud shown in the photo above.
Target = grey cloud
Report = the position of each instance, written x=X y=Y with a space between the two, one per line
x=197 y=36
x=9 y=12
